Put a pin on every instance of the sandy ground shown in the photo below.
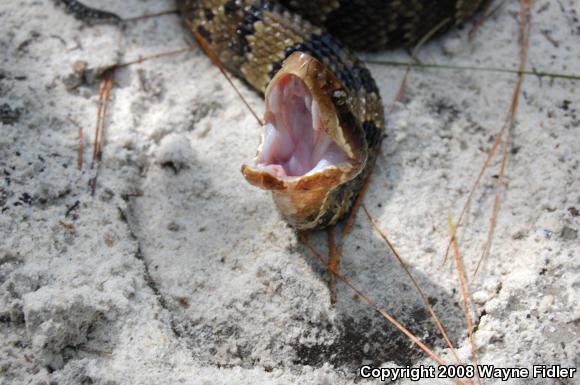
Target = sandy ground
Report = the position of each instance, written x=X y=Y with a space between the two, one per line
x=177 y=271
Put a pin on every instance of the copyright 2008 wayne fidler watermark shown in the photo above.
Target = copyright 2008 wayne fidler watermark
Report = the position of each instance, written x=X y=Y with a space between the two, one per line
x=466 y=371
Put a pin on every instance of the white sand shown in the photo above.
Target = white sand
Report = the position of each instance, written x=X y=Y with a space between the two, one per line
x=196 y=280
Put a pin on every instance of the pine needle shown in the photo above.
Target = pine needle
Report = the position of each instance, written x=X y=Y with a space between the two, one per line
x=402 y=86
x=484 y=15
x=357 y=203
x=361 y=294
x=414 y=53
x=353 y=211
x=155 y=56
x=104 y=94
x=474 y=186
x=415 y=283
x=454 y=67
x=524 y=34
x=464 y=291
x=151 y=15
x=216 y=61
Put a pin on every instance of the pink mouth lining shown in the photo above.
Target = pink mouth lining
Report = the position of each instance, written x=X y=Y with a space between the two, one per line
x=295 y=141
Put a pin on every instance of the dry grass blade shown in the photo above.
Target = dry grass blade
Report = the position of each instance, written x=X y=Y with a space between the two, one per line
x=464 y=291
x=415 y=283
x=373 y=305
x=524 y=34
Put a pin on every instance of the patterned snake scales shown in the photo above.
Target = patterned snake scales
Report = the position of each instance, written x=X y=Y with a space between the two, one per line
x=323 y=120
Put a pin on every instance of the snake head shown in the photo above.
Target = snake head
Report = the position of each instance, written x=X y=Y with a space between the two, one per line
x=311 y=141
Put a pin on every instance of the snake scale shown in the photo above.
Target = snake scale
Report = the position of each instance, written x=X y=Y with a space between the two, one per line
x=324 y=120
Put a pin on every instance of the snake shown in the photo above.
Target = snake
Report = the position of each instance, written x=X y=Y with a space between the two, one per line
x=324 y=119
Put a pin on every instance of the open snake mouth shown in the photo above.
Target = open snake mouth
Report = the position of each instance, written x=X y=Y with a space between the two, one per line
x=295 y=141
x=310 y=142
x=304 y=146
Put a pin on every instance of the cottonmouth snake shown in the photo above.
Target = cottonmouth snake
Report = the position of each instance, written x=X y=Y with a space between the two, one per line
x=324 y=117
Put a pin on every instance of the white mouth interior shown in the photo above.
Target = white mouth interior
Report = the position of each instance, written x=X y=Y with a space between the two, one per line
x=295 y=141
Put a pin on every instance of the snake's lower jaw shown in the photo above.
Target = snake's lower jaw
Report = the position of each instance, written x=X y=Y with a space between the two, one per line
x=324 y=179
x=299 y=199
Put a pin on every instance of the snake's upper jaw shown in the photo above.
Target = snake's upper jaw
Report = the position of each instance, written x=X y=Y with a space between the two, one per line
x=307 y=142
